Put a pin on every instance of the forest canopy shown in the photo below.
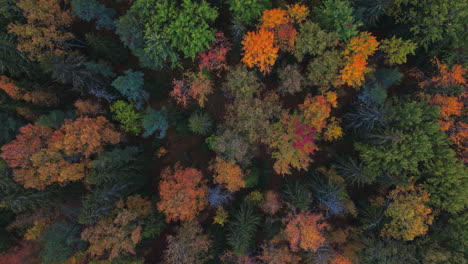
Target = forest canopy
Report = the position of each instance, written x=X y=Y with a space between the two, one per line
x=233 y=132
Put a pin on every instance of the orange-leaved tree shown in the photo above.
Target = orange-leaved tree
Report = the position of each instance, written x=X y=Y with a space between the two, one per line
x=44 y=31
x=340 y=259
x=305 y=231
x=31 y=139
x=18 y=93
x=260 y=50
x=410 y=216
x=356 y=53
x=84 y=136
x=228 y=173
x=120 y=232
x=183 y=193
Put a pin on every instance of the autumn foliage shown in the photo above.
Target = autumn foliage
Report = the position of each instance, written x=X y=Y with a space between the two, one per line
x=189 y=246
x=357 y=52
x=120 y=233
x=26 y=252
x=260 y=50
x=410 y=216
x=215 y=57
x=278 y=254
x=36 y=96
x=340 y=259
x=193 y=86
x=44 y=30
x=228 y=173
x=305 y=231
x=84 y=136
x=183 y=193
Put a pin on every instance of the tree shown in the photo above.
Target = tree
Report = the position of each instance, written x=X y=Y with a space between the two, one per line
x=59 y=242
x=196 y=86
x=337 y=15
x=273 y=18
x=396 y=49
x=242 y=83
x=171 y=27
x=183 y=194
x=84 y=136
x=445 y=77
x=155 y=121
x=272 y=203
x=242 y=229
x=31 y=139
x=410 y=142
x=44 y=30
x=410 y=217
x=317 y=109
x=188 y=246
x=247 y=12
x=253 y=117
x=376 y=250
x=128 y=118
x=433 y=23
x=357 y=51
x=228 y=173
x=12 y=61
x=9 y=128
x=323 y=71
x=37 y=97
x=333 y=131
x=305 y=231
x=91 y=9
x=291 y=80
x=231 y=146
x=200 y=123
x=215 y=57
x=119 y=233
x=131 y=86
x=292 y=142
x=88 y=107
x=26 y=252
x=278 y=254
x=340 y=259
x=260 y=50
x=313 y=40
x=297 y=194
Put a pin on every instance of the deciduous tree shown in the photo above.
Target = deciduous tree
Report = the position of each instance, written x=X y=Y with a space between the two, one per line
x=215 y=57
x=119 y=233
x=195 y=86
x=189 y=246
x=183 y=193
x=410 y=217
x=305 y=231
x=44 y=31
x=228 y=173
x=260 y=50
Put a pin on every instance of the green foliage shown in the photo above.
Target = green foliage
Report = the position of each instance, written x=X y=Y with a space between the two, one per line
x=447 y=180
x=131 y=32
x=242 y=83
x=376 y=250
x=128 y=117
x=313 y=40
x=437 y=22
x=91 y=9
x=354 y=172
x=248 y=11
x=59 y=242
x=396 y=49
x=375 y=91
x=338 y=15
x=242 y=229
x=418 y=134
x=172 y=27
x=12 y=62
x=200 y=123
x=231 y=146
x=153 y=225
x=75 y=70
x=155 y=120
x=54 y=119
x=130 y=85
x=8 y=128
x=116 y=165
x=297 y=194
x=251 y=179
x=323 y=70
